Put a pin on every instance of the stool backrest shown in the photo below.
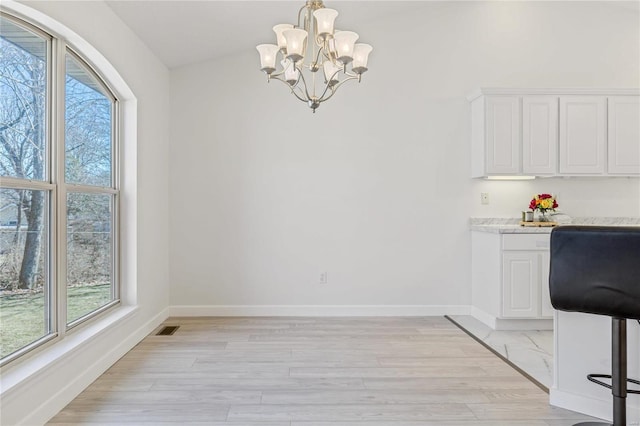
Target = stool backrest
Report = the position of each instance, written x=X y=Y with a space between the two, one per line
x=596 y=270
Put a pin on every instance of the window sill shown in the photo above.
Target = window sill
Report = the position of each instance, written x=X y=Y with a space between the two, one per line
x=24 y=371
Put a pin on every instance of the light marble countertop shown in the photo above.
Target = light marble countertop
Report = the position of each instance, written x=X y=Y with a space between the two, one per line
x=512 y=226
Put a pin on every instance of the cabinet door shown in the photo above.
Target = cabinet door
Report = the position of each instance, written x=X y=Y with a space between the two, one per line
x=503 y=135
x=539 y=135
x=624 y=135
x=582 y=134
x=520 y=285
x=546 y=309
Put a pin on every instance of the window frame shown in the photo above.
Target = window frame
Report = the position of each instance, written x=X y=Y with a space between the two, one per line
x=56 y=188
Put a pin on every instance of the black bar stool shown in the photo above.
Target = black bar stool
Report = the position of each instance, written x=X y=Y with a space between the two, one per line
x=596 y=270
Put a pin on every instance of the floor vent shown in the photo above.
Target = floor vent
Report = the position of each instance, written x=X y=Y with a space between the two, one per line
x=168 y=330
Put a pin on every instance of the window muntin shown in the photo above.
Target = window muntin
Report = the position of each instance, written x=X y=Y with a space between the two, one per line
x=79 y=176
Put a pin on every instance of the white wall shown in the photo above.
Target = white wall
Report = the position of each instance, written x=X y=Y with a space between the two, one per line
x=374 y=187
x=32 y=401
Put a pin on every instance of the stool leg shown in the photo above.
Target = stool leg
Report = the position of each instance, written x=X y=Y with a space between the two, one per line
x=619 y=370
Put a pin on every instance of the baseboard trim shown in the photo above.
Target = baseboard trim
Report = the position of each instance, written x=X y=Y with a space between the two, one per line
x=502 y=324
x=602 y=409
x=317 y=310
x=581 y=404
x=49 y=408
x=483 y=317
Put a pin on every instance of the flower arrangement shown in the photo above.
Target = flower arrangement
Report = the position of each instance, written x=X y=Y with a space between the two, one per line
x=543 y=203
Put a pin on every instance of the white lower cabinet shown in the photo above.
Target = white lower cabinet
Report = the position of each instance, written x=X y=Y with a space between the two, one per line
x=520 y=284
x=510 y=280
x=546 y=309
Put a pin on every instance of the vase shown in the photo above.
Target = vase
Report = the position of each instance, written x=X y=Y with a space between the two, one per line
x=543 y=217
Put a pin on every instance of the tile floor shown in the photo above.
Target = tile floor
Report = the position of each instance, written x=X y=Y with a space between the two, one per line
x=532 y=351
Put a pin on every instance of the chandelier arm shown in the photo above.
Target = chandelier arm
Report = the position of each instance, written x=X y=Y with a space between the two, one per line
x=276 y=74
x=329 y=86
x=320 y=51
x=304 y=82
x=298 y=96
x=277 y=77
x=295 y=86
x=334 y=89
x=334 y=74
x=300 y=14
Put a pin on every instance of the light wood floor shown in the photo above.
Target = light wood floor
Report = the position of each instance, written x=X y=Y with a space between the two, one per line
x=313 y=372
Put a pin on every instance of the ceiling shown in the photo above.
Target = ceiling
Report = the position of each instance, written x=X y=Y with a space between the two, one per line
x=182 y=32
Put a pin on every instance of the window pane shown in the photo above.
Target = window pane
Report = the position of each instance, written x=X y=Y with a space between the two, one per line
x=23 y=93
x=89 y=253
x=24 y=292
x=88 y=116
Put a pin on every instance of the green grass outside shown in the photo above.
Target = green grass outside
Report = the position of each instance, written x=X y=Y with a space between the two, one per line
x=22 y=315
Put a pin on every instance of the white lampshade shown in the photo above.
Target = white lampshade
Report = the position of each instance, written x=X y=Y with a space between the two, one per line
x=345 y=41
x=360 y=57
x=331 y=71
x=291 y=73
x=325 y=19
x=279 y=29
x=268 y=54
x=295 y=39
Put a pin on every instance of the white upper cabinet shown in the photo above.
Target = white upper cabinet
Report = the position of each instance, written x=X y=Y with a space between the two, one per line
x=555 y=132
x=583 y=134
x=539 y=135
x=503 y=135
x=624 y=135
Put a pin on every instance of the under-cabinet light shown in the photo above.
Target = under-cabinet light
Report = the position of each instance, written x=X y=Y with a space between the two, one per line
x=510 y=177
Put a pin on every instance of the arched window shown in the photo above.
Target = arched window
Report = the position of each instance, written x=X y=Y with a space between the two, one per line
x=59 y=189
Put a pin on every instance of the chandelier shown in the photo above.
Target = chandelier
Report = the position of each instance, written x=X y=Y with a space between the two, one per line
x=309 y=47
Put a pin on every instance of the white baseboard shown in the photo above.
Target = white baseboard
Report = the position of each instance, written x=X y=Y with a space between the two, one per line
x=581 y=404
x=592 y=406
x=317 y=310
x=76 y=384
x=484 y=317
x=503 y=324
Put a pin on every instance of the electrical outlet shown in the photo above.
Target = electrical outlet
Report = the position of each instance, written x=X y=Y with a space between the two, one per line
x=322 y=279
x=484 y=198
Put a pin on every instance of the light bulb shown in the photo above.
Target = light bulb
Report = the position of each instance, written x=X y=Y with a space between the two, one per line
x=291 y=73
x=268 y=54
x=345 y=41
x=360 y=57
x=331 y=71
x=279 y=29
x=325 y=19
x=295 y=39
